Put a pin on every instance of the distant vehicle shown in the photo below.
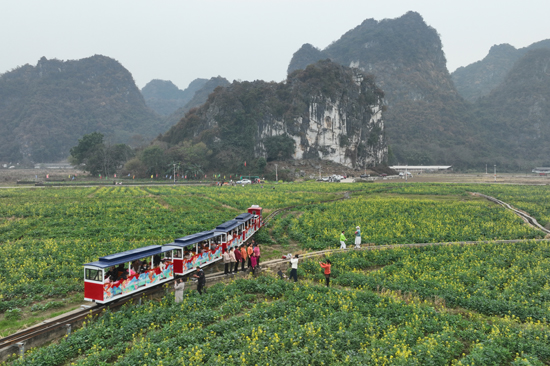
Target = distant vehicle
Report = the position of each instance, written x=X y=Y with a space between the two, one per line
x=244 y=181
x=383 y=175
x=364 y=175
x=401 y=174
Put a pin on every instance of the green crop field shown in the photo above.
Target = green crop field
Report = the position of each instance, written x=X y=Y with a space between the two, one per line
x=275 y=322
x=473 y=304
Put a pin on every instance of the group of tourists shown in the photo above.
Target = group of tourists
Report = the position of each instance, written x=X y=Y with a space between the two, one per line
x=179 y=285
x=251 y=253
x=247 y=253
x=294 y=269
x=357 y=239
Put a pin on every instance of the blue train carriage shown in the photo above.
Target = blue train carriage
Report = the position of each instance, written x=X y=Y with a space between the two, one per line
x=247 y=221
x=121 y=274
x=232 y=234
x=196 y=250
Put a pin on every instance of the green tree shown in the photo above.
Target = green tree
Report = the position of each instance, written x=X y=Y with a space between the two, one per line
x=261 y=164
x=279 y=147
x=154 y=159
x=194 y=171
x=92 y=155
x=87 y=147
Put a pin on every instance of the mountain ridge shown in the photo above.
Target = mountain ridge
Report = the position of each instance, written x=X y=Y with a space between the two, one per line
x=45 y=109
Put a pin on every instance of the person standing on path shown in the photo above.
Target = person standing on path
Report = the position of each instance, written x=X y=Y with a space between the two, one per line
x=201 y=280
x=326 y=266
x=358 y=238
x=238 y=258
x=253 y=260
x=244 y=256
x=257 y=255
x=232 y=259
x=179 y=286
x=250 y=253
x=226 y=261
x=294 y=270
x=342 y=241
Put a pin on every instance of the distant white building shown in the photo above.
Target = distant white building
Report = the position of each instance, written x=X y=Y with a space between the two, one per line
x=541 y=170
x=421 y=168
x=52 y=166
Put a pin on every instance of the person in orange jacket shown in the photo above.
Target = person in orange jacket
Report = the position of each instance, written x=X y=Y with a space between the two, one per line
x=244 y=255
x=250 y=252
x=326 y=266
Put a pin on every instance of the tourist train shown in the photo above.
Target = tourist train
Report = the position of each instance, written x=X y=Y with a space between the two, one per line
x=118 y=275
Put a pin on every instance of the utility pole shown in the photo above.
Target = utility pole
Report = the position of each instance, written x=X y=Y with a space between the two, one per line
x=495 y=172
x=485 y=169
x=319 y=171
x=174 y=173
x=276 y=175
x=406 y=173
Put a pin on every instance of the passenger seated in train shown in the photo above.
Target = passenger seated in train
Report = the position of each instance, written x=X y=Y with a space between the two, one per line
x=156 y=260
x=136 y=266
x=144 y=267
x=110 y=274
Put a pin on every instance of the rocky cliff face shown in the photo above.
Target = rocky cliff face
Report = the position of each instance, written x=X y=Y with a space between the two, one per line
x=326 y=111
x=331 y=131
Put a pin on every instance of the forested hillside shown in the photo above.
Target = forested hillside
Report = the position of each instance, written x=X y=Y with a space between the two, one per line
x=481 y=77
x=164 y=97
x=515 y=116
x=198 y=99
x=45 y=109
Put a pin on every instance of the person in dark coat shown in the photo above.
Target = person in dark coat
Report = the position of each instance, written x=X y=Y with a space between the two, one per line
x=238 y=258
x=201 y=280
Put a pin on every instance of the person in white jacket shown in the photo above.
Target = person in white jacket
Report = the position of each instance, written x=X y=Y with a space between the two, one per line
x=358 y=238
x=226 y=261
x=294 y=270
x=232 y=260
x=179 y=286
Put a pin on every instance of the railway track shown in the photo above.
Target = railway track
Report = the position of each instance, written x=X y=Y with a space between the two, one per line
x=94 y=310
x=524 y=215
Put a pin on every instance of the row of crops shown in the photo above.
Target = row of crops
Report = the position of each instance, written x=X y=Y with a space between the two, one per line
x=395 y=220
x=504 y=279
x=533 y=199
x=274 y=322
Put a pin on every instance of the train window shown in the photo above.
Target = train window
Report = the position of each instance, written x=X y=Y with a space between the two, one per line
x=177 y=253
x=94 y=275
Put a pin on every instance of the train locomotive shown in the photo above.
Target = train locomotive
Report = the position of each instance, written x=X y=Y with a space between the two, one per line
x=118 y=275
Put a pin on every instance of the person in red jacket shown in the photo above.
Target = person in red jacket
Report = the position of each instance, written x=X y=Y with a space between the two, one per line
x=238 y=258
x=326 y=266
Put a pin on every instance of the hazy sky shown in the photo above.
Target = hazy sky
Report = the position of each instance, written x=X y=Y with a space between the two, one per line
x=181 y=40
